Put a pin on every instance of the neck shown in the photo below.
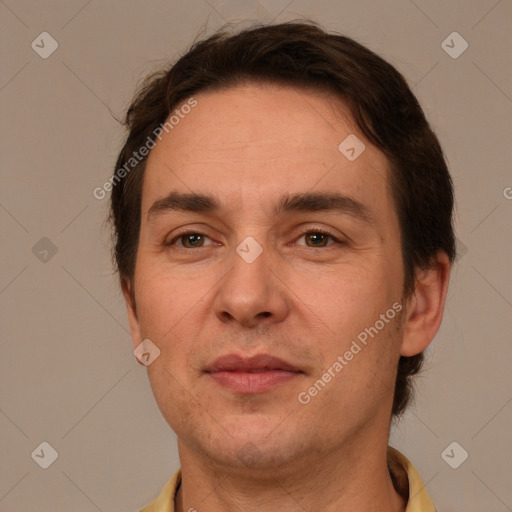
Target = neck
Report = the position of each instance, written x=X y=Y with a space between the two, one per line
x=348 y=479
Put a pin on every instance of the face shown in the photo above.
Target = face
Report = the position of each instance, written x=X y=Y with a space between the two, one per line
x=293 y=255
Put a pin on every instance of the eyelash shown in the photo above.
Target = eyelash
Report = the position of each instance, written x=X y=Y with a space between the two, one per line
x=307 y=232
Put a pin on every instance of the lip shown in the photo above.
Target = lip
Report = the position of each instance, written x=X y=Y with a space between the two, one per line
x=257 y=374
x=259 y=362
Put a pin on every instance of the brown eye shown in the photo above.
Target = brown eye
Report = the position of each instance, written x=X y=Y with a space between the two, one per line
x=194 y=239
x=189 y=240
x=318 y=239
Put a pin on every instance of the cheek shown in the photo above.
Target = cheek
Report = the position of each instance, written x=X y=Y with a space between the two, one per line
x=171 y=313
x=351 y=298
x=163 y=302
x=361 y=311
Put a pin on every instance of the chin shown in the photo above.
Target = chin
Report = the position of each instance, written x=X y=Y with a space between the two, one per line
x=256 y=448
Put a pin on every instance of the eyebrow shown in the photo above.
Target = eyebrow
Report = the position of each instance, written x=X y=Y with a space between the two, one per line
x=297 y=202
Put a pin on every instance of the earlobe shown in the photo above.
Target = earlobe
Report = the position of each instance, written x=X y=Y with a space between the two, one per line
x=424 y=311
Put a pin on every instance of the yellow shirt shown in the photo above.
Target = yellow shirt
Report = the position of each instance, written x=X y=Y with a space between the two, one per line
x=406 y=477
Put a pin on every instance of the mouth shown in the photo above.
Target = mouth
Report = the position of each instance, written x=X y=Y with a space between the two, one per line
x=257 y=374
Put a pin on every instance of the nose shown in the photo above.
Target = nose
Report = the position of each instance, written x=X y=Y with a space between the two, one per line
x=252 y=291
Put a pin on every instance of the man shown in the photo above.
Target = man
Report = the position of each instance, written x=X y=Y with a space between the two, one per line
x=283 y=233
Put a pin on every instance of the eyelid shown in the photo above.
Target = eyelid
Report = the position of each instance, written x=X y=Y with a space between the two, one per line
x=178 y=235
x=322 y=231
x=310 y=229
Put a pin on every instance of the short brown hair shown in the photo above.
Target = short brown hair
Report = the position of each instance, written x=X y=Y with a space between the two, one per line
x=303 y=54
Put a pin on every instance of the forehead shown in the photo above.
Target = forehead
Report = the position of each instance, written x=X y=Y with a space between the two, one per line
x=262 y=139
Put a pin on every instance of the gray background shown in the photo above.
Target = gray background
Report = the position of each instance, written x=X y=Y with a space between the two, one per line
x=67 y=372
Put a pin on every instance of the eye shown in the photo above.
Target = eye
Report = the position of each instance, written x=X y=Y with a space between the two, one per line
x=193 y=240
x=318 y=238
x=189 y=240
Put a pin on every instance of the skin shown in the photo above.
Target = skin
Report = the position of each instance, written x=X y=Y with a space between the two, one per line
x=304 y=299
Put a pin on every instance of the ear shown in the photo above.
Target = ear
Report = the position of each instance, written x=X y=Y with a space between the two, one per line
x=129 y=298
x=426 y=306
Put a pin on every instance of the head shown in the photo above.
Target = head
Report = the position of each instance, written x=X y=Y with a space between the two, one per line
x=246 y=130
